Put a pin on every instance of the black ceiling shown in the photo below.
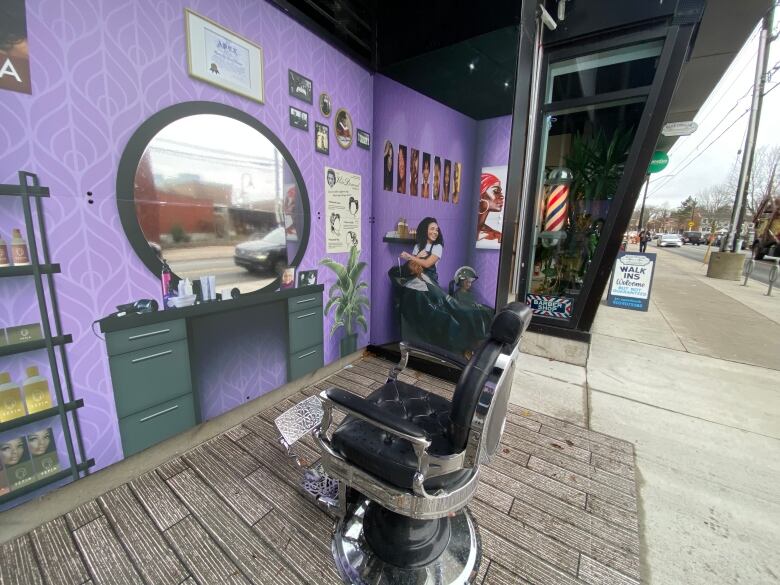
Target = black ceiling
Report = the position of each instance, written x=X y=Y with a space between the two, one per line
x=450 y=50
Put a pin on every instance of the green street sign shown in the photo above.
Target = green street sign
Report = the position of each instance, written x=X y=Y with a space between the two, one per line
x=658 y=163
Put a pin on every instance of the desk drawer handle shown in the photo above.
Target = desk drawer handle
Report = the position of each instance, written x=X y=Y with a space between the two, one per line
x=154 y=355
x=300 y=357
x=306 y=315
x=146 y=418
x=305 y=300
x=142 y=335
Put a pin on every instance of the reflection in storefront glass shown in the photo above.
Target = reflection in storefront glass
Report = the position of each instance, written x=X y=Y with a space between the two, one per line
x=213 y=196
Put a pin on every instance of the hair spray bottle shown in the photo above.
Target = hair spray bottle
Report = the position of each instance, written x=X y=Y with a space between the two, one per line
x=167 y=289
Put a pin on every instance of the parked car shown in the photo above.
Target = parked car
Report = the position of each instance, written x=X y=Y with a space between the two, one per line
x=267 y=252
x=669 y=240
x=695 y=238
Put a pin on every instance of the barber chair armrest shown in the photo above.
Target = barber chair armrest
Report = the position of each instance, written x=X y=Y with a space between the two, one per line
x=428 y=351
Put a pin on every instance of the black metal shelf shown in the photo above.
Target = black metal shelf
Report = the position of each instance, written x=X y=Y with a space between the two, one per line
x=42 y=415
x=19 y=191
x=9 y=271
x=393 y=240
x=31 y=487
x=15 y=348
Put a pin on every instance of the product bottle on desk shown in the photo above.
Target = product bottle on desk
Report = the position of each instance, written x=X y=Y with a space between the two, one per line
x=21 y=256
x=5 y=260
x=36 y=391
x=167 y=288
x=11 y=405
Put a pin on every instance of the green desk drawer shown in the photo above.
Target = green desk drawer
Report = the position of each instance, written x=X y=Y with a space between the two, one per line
x=305 y=328
x=147 y=336
x=148 y=427
x=303 y=302
x=150 y=376
x=305 y=361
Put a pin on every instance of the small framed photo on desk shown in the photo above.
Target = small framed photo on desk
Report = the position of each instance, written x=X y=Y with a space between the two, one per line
x=306 y=278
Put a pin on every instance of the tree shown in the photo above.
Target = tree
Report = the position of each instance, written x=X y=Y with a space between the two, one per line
x=687 y=212
x=715 y=203
x=766 y=163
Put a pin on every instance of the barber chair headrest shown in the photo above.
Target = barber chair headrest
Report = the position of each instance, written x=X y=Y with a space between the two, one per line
x=510 y=323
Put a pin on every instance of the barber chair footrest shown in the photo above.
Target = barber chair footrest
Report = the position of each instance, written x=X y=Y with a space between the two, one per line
x=358 y=564
x=322 y=489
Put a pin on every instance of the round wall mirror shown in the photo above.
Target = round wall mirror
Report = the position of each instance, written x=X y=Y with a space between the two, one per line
x=212 y=192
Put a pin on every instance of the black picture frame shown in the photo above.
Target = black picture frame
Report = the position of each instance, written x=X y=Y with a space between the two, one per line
x=300 y=86
x=305 y=278
x=320 y=130
x=299 y=119
x=363 y=139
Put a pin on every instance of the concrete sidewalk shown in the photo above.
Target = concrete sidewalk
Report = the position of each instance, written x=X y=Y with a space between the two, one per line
x=693 y=384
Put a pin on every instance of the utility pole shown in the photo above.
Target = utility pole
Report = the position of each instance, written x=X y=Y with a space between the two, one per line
x=732 y=242
x=644 y=197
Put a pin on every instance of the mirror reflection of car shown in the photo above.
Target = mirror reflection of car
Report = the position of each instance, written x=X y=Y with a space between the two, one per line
x=267 y=252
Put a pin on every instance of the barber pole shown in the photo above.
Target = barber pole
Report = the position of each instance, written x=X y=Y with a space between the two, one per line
x=558 y=184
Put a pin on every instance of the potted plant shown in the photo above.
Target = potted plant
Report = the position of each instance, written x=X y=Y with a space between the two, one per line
x=347 y=297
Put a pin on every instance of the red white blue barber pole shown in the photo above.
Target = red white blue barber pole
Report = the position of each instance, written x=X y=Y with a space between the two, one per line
x=556 y=206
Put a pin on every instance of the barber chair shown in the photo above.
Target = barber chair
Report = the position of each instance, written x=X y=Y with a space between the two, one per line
x=407 y=464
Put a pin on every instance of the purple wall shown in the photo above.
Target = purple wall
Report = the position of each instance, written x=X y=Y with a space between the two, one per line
x=404 y=116
x=99 y=69
x=492 y=151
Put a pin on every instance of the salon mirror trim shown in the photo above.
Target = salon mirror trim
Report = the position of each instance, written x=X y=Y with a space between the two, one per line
x=137 y=144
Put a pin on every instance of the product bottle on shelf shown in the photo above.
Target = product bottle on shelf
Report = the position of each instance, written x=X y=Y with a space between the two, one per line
x=36 y=391
x=4 y=258
x=11 y=405
x=21 y=256
x=167 y=288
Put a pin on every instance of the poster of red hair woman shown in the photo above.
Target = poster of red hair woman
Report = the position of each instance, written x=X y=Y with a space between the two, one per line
x=491 y=207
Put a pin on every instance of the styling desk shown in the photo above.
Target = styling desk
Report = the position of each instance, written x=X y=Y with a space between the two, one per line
x=165 y=365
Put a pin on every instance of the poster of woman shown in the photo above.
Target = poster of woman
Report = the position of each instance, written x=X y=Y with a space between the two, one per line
x=490 y=214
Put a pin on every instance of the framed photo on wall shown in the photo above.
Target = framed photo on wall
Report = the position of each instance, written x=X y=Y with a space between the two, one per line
x=300 y=87
x=326 y=105
x=222 y=58
x=321 y=138
x=299 y=119
x=363 y=139
x=343 y=127
x=426 y=176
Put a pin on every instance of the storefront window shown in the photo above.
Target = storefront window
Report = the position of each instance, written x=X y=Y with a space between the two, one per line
x=584 y=151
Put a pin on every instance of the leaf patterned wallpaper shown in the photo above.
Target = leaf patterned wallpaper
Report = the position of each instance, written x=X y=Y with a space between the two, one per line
x=99 y=69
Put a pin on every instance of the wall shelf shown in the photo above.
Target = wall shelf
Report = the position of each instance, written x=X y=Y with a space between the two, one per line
x=393 y=240
x=15 y=348
x=19 y=190
x=42 y=415
x=9 y=271
x=31 y=487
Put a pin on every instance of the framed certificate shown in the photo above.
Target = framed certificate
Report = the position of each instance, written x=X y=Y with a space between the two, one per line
x=222 y=58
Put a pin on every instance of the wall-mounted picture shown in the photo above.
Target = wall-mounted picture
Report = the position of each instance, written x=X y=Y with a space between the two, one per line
x=401 y=183
x=344 y=128
x=14 y=51
x=326 y=105
x=456 y=179
x=223 y=58
x=321 y=138
x=300 y=86
x=414 y=172
x=445 y=195
x=388 y=166
x=426 y=176
x=363 y=139
x=299 y=119
x=436 y=178
x=307 y=278
x=491 y=207
x=288 y=278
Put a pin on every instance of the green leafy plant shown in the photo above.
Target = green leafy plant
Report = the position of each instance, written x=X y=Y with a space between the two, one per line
x=597 y=163
x=178 y=234
x=346 y=293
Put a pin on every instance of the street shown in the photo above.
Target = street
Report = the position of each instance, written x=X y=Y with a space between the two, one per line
x=760 y=271
x=195 y=262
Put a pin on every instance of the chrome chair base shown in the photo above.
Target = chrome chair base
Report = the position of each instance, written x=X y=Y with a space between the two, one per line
x=357 y=564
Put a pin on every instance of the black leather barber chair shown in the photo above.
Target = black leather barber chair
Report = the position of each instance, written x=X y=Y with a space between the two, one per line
x=407 y=461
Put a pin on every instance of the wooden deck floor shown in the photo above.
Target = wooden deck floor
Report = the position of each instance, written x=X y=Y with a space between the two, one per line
x=557 y=506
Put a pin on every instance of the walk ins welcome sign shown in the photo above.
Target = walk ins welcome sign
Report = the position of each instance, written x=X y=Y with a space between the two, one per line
x=632 y=280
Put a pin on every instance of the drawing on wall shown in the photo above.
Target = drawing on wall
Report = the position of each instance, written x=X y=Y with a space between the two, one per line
x=14 y=52
x=426 y=176
x=325 y=105
x=321 y=138
x=446 y=181
x=223 y=58
x=343 y=128
x=299 y=119
x=388 y=166
x=401 y=186
x=457 y=170
x=436 y=177
x=342 y=202
x=299 y=86
x=414 y=172
x=491 y=207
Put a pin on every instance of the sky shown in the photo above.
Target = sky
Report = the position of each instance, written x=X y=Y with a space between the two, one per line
x=715 y=154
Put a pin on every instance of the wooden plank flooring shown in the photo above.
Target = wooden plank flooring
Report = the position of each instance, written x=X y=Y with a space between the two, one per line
x=556 y=506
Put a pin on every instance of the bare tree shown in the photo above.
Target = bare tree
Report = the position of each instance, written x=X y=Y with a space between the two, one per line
x=715 y=204
x=766 y=164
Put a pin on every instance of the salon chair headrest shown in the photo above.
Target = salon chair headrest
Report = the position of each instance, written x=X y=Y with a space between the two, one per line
x=510 y=323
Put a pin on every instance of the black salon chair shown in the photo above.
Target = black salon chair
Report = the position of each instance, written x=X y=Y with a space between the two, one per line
x=407 y=461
